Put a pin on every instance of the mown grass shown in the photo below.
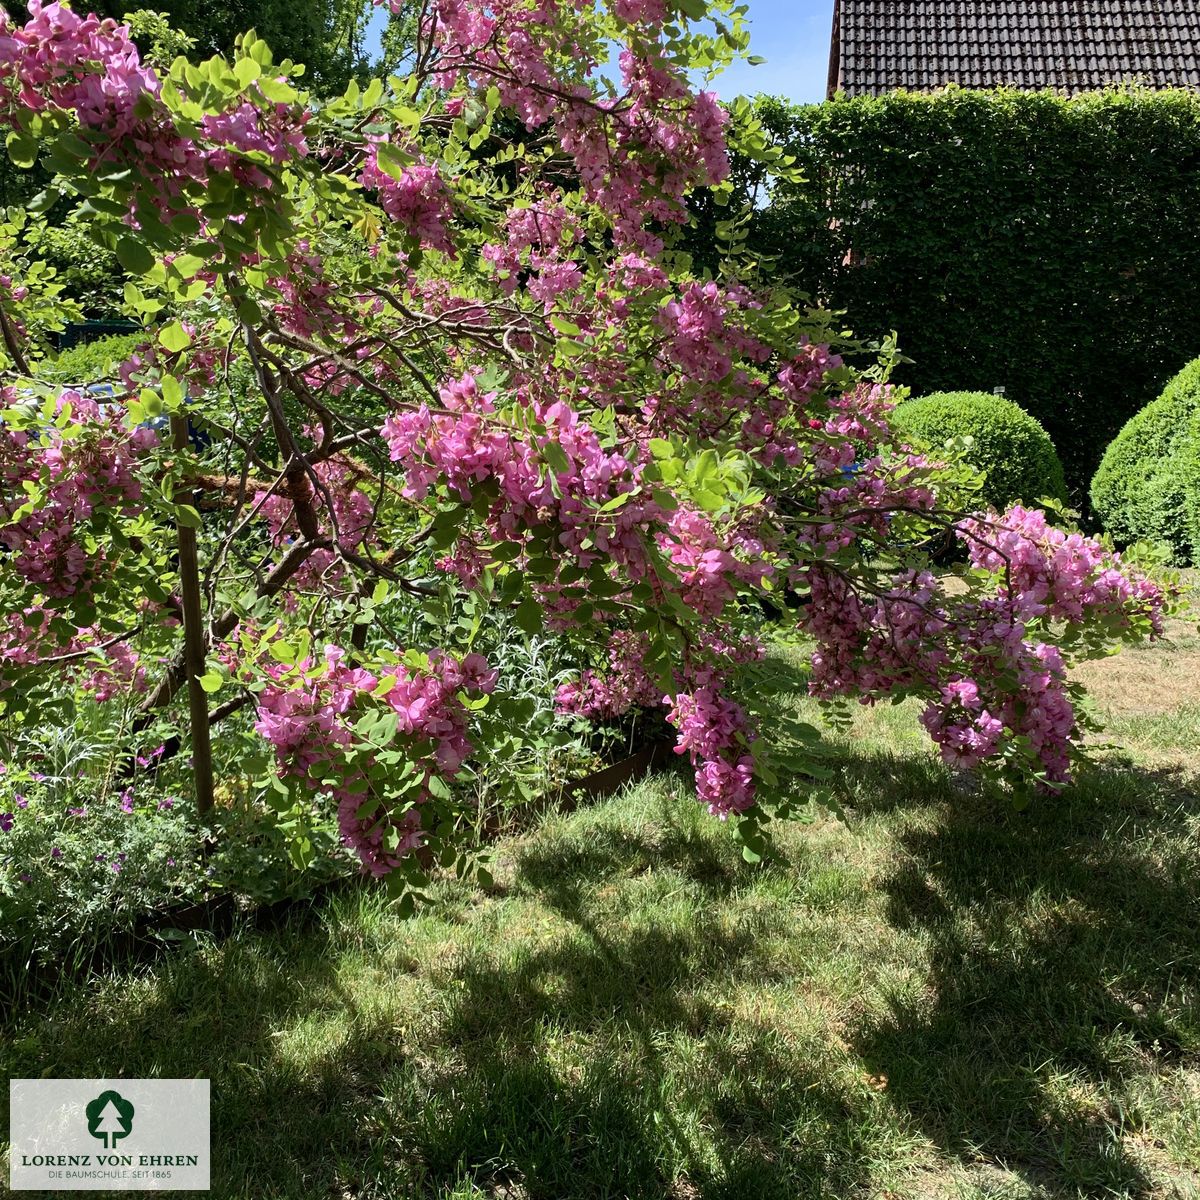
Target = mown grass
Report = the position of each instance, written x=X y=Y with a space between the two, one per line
x=932 y=997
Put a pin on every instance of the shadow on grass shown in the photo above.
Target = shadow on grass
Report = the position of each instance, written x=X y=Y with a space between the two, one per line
x=563 y=872
x=599 y=1057
x=645 y=991
x=1065 y=959
x=552 y=1070
x=206 y=1010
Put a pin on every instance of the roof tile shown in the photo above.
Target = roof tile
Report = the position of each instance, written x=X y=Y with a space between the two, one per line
x=1074 y=45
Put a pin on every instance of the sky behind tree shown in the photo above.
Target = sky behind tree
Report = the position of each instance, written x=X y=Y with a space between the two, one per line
x=793 y=36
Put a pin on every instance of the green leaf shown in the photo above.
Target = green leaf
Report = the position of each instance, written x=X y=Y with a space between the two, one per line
x=174 y=337
x=556 y=456
x=618 y=501
x=373 y=93
x=211 y=682
x=565 y=327
x=172 y=392
x=22 y=149
x=133 y=256
x=529 y=616
x=392 y=160
x=281 y=651
x=151 y=402
x=246 y=71
x=187 y=516
x=703 y=468
x=43 y=202
x=276 y=92
x=607 y=588
x=188 y=264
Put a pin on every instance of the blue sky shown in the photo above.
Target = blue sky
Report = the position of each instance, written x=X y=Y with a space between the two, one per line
x=793 y=36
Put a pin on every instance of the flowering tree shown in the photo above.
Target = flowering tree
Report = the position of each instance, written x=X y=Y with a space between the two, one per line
x=425 y=362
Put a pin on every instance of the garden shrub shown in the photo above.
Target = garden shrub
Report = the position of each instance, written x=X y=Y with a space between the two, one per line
x=1148 y=485
x=92 y=362
x=1008 y=445
x=90 y=274
x=1014 y=239
x=89 y=870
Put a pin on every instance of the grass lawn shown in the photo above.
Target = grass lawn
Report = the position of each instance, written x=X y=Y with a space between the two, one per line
x=934 y=997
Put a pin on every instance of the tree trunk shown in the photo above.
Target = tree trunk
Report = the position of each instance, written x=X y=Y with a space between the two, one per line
x=193 y=642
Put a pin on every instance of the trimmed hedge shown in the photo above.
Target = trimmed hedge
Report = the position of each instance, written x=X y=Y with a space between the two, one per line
x=1013 y=239
x=92 y=362
x=1009 y=446
x=1148 y=484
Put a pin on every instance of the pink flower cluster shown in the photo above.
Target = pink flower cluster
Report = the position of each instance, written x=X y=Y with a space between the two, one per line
x=714 y=732
x=540 y=242
x=73 y=62
x=563 y=479
x=470 y=445
x=640 y=12
x=631 y=276
x=855 y=479
x=308 y=716
x=340 y=502
x=78 y=475
x=278 y=133
x=712 y=729
x=776 y=429
x=91 y=67
x=116 y=671
x=419 y=200
x=991 y=680
x=703 y=339
x=103 y=667
x=709 y=569
x=970 y=727
x=625 y=685
x=1049 y=573
x=25 y=639
x=635 y=155
x=309 y=307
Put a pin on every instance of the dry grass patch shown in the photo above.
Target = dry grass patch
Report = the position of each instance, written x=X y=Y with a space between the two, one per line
x=1149 y=680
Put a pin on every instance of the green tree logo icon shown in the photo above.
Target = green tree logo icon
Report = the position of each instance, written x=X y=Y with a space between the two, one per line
x=109 y=1117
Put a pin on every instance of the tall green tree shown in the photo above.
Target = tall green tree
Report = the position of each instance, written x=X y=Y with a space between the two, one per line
x=331 y=37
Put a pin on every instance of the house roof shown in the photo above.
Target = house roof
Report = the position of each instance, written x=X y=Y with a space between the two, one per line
x=1075 y=45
